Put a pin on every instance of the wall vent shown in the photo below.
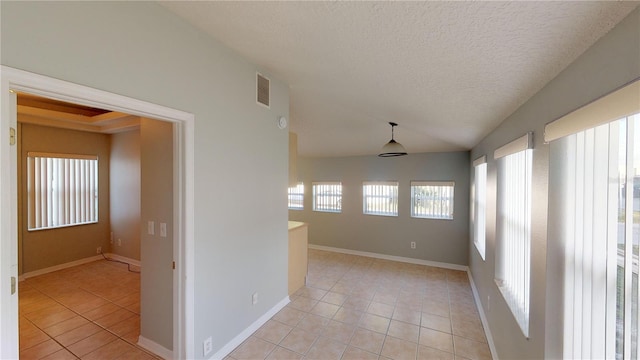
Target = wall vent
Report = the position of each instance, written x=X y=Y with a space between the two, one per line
x=262 y=94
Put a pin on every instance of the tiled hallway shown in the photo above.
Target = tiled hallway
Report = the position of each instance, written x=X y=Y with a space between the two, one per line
x=361 y=308
x=90 y=311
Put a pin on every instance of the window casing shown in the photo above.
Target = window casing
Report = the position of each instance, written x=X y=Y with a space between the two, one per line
x=380 y=198
x=479 y=203
x=62 y=190
x=327 y=196
x=513 y=248
x=296 y=197
x=432 y=199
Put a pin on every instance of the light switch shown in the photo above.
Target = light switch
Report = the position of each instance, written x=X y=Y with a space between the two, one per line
x=163 y=229
x=151 y=228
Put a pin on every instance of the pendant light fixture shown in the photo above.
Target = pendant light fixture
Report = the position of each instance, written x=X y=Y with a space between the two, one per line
x=392 y=148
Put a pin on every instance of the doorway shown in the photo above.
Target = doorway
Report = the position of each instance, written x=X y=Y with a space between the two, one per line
x=13 y=81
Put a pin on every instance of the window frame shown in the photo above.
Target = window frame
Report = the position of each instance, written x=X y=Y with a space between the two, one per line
x=451 y=200
x=479 y=205
x=59 y=205
x=393 y=197
x=328 y=184
x=295 y=191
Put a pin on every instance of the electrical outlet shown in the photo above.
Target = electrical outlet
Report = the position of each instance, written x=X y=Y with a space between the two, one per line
x=151 y=228
x=254 y=298
x=99 y=250
x=413 y=244
x=119 y=242
x=207 y=346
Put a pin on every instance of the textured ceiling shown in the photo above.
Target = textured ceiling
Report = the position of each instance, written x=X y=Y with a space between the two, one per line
x=447 y=72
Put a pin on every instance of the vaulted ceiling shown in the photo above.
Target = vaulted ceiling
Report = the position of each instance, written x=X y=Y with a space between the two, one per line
x=447 y=72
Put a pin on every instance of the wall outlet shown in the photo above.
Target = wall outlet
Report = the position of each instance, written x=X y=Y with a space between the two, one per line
x=207 y=346
x=119 y=242
x=99 y=250
x=254 y=298
x=163 y=229
x=151 y=228
x=413 y=244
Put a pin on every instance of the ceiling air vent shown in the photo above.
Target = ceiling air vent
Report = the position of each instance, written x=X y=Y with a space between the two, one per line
x=262 y=96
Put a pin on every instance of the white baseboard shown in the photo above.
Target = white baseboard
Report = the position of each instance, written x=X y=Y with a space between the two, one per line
x=231 y=345
x=391 y=257
x=155 y=348
x=127 y=260
x=59 y=267
x=483 y=317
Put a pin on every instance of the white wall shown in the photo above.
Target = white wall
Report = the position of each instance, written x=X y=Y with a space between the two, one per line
x=124 y=193
x=610 y=63
x=140 y=50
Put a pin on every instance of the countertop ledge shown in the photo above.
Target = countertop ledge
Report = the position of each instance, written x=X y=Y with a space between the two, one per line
x=296 y=224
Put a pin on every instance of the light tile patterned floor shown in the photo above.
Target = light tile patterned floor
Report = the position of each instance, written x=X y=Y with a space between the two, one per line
x=362 y=308
x=90 y=311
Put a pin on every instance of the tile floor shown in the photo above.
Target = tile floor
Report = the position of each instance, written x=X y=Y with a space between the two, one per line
x=362 y=308
x=90 y=311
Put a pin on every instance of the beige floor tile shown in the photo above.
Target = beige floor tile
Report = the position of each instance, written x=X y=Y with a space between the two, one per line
x=313 y=323
x=353 y=353
x=89 y=344
x=289 y=316
x=253 y=348
x=312 y=293
x=399 y=349
x=339 y=331
x=273 y=331
x=436 y=322
x=326 y=349
x=436 y=339
x=375 y=323
x=470 y=330
x=380 y=309
x=325 y=309
x=40 y=350
x=280 y=353
x=471 y=349
x=436 y=307
x=407 y=315
x=427 y=353
x=357 y=302
x=348 y=316
x=368 y=340
x=404 y=331
x=303 y=303
x=334 y=298
x=299 y=341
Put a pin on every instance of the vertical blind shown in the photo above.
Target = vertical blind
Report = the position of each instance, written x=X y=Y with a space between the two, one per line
x=479 y=199
x=432 y=199
x=513 y=260
x=62 y=190
x=327 y=196
x=380 y=198
x=296 y=197
x=601 y=237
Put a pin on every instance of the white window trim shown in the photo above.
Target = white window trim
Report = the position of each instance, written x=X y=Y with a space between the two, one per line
x=380 y=183
x=433 y=183
x=289 y=193
x=478 y=226
x=313 y=194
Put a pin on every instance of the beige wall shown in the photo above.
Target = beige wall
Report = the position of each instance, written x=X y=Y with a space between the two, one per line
x=45 y=248
x=156 y=279
x=125 y=194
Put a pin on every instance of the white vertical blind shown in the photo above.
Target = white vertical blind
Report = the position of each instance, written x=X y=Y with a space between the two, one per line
x=296 y=197
x=327 y=196
x=380 y=198
x=432 y=199
x=514 y=233
x=601 y=237
x=478 y=209
x=62 y=190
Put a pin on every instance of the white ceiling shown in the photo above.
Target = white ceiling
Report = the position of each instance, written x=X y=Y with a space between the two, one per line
x=447 y=72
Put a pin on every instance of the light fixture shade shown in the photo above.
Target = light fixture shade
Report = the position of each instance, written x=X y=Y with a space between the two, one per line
x=392 y=148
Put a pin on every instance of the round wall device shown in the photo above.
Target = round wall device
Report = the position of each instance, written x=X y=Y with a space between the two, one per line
x=282 y=122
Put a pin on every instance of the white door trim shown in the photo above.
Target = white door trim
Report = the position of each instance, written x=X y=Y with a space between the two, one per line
x=18 y=80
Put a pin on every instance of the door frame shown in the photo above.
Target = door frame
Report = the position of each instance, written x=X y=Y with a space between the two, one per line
x=12 y=80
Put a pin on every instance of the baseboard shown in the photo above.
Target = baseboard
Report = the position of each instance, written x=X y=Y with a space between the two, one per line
x=127 y=260
x=59 y=267
x=155 y=348
x=391 y=257
x=483 y=317
x=231 y=345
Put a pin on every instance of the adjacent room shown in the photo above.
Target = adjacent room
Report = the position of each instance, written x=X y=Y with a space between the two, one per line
x=320 y=180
